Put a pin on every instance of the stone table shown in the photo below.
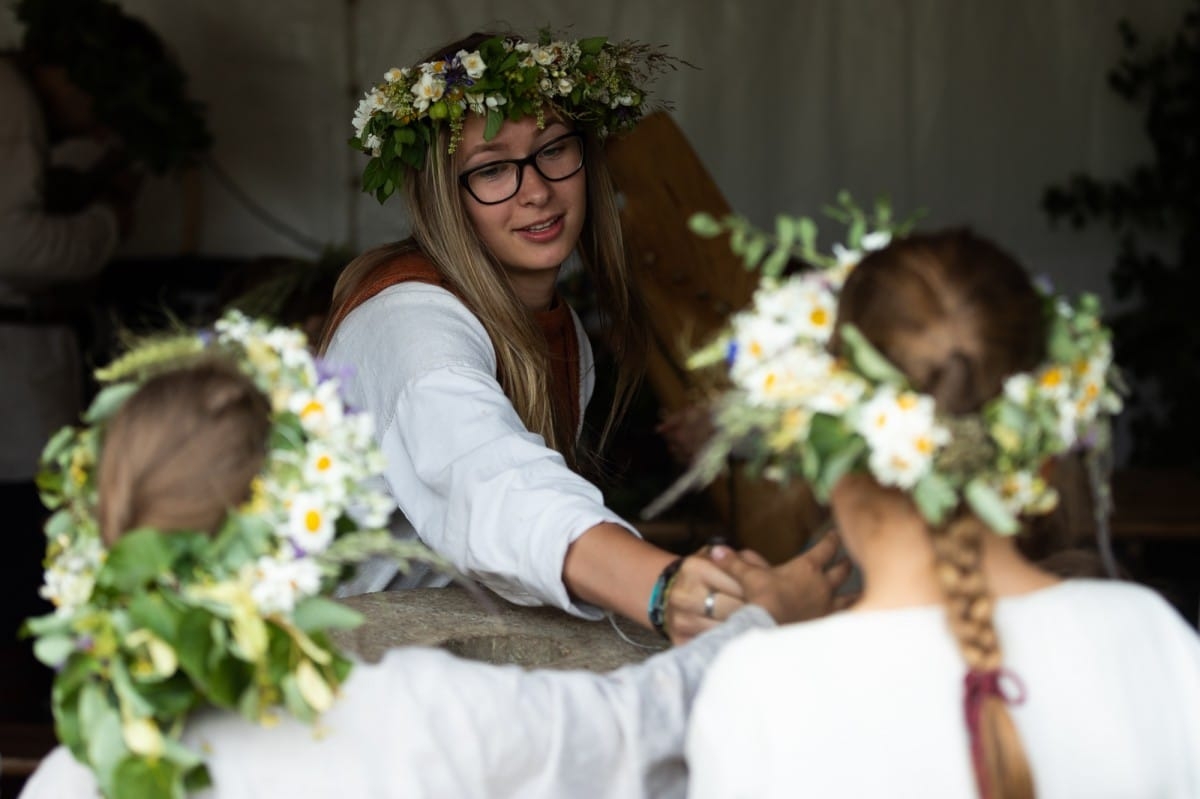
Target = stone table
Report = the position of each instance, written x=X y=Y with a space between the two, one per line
x=481 y=626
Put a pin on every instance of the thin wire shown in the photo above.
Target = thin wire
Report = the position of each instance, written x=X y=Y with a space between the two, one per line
x=612 y=619
x=261 y=213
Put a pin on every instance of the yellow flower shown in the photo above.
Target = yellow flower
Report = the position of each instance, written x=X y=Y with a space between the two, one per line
x=156 y=661
x=257 y=503
x=1052 y=378
x=313 y=688
x=142 y=736
x=249 y=629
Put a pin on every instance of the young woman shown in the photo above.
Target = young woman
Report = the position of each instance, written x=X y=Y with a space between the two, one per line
x=476 y=370
x=195 y=539
x=964 y=670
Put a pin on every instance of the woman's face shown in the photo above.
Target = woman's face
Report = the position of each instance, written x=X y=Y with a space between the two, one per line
x=536 y=229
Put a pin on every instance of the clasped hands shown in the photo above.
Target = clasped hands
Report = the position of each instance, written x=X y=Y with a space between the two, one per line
x=715 y=581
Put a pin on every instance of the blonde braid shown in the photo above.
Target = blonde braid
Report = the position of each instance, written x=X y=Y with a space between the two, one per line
x=1003 y=771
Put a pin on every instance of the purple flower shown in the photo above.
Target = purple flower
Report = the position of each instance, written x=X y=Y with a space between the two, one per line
x=731 y=353
x=456 y=74
x=1043 y=283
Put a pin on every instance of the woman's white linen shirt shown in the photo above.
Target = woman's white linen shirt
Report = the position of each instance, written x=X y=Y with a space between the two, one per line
x=477 y=486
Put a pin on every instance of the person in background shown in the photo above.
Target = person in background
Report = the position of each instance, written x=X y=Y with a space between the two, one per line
x=51 y=241
x=91 y=100
x=463 y=349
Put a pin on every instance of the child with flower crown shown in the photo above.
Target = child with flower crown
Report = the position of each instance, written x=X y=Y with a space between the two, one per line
x=476 y=369
x=201 y=518
x=926 y=396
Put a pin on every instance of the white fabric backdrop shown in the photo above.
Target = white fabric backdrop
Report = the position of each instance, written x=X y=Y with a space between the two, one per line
x=966 y=107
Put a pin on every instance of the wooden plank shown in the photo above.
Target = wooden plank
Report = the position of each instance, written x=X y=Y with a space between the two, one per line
x=691 y=285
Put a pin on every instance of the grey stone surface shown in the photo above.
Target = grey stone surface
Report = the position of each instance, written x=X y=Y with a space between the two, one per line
x=486 y=628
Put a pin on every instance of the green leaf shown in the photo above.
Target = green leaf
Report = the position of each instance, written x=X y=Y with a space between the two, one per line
x=826 y=433
x=152 y=612
x=108 y=400
x=60 y=523
x=494 y=120
x=194 y=642
x=122 y=683
x=242 y=539
x=372 y=176
x=136 y=559
x=319 y=613
x=858 y=229
x=990 y=508
x=105 y=744
x=49 y=624
x=180 y=755
x=171 y=697
x=705 y=225
x=935 y=497
x=806 y=230
x=294 y=700
x=58 y=444
x=738 y=239
x=53 y=650
x=144 y=778
x=776 y=262
x=755 y=249
x=840 y=462
x=77 y=670
x=868 y=360
x=592 y=45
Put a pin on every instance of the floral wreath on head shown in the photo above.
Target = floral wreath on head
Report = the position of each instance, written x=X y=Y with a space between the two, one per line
x=794 y=409
x=162 y=623
x=598 y=84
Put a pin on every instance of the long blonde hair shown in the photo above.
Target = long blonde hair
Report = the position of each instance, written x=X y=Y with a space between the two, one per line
x=182 y=451
x=442 y=231
x=958 y=315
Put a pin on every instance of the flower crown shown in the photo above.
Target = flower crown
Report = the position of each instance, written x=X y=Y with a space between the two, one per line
x=795 y=409
x=598 y=84
x=165 y=622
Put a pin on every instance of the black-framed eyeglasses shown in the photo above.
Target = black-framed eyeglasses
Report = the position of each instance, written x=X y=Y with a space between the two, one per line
x=496 y=181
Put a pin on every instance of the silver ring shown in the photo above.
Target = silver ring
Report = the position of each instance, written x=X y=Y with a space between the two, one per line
x=710 y=603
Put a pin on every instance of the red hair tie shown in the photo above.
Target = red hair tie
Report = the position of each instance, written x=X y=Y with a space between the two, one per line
x=978 y=685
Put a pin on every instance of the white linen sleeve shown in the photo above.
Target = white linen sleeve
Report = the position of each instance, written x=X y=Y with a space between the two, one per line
x=503 y=731
x=60 y=776
x=477 y=486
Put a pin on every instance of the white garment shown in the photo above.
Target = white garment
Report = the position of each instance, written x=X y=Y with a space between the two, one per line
x=870 y=704
x=423 y=723
x=39 y=364
x=476 y=485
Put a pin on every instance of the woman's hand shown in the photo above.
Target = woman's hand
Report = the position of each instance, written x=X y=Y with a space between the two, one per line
x=803 y=588
x=697 y=579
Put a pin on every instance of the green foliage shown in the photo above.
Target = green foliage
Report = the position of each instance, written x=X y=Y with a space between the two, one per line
x=1155 y=212
x=795 y=238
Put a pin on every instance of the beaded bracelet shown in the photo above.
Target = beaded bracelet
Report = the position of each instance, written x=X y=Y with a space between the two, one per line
x=658 y=597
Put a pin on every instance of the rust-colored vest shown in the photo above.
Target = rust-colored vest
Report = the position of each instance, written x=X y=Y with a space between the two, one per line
x=556 y=324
